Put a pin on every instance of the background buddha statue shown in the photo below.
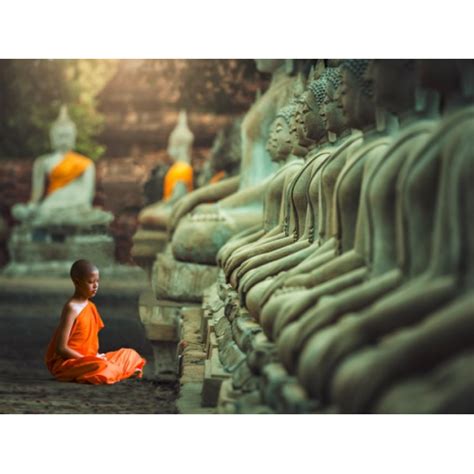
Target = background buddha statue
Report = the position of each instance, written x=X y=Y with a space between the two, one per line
x=220 y=174
x=226 y=154
x=200 y=235
x=178 y=179
x=63 y=182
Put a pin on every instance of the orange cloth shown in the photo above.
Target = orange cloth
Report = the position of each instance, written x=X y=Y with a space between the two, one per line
x=71 y=167
x=84 y=339
x=217 y=177
x=180 y=171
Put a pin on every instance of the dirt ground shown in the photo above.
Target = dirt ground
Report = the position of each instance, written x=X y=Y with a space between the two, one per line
x=25 y=388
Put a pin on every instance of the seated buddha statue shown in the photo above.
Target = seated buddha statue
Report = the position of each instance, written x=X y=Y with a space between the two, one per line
x=340 y=268
x=199 y=236
x=151 y=236
x=225 y=155
x=394 y=338
x=316 y=238
x=220 y=176
x=63 y=183
x=178 y=179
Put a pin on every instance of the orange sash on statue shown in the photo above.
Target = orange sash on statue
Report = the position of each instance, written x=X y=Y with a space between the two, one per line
x=217 y=177
x=84 y=339
x=180 y=171
x=71 y=167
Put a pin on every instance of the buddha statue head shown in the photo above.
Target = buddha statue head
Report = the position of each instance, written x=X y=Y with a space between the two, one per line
x=308 y=121
x=181 y=140
x=280 y=144
x=332 y=114
x=357 y=94
x=447 y=76
x=394 y=84
x=63 y=132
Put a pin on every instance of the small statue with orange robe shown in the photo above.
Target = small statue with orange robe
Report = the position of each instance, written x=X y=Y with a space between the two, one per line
x=63 y=182
x=179 y=179
x=73 y=353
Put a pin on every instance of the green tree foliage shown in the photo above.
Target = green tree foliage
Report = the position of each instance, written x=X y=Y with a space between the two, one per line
x=31 y=93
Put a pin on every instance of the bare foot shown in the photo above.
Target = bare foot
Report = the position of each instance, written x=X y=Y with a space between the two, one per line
x=137 y=374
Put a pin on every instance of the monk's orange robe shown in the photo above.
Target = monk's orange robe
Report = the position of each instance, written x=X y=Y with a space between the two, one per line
x=91 y=369
x=180 y=171
x=70 y=168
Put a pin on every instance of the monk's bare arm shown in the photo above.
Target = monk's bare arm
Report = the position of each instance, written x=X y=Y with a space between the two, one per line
x=68 y=317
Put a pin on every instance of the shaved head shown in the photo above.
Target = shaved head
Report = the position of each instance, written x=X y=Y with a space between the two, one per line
x=81 y=269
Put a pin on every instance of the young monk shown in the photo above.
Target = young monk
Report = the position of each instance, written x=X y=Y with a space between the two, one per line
x=72 y=354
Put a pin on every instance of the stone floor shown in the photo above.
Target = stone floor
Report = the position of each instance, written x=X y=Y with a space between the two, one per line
x=25 y=388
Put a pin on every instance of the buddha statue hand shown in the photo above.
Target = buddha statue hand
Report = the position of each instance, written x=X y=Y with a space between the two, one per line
x=297 y=280
x=207 y=218
x=288 y=289
x=177 y=212
x=276 y=284
x=207 y=212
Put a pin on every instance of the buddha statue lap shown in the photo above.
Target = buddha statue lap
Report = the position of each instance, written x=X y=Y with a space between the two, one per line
x=446 y=389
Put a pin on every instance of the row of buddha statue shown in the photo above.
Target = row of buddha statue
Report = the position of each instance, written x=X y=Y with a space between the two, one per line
x=342 y=253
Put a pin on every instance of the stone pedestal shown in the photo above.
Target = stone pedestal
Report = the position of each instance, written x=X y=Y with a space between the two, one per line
x=162 y=322
x=178 y=281
x=214 y=375
x=146 y=244
x=52 y=248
